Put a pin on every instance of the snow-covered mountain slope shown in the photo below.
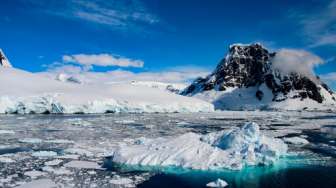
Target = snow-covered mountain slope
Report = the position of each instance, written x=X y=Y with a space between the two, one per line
x=25 y=92
x=246 y=79
x=67 y=78
x=172 y=87
x=3 y=60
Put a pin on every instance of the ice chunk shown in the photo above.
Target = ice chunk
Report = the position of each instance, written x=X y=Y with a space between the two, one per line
x=217 y=183
x=6 y=160
x=34 y=174
x=6 y=132
x=78 y=151
x=43 y=154
x=83 y=164
x=31 y=140
x=60 y=141
x=41 y=183
x=296 y=140
x=125 y=182
x=225 y=149
x=57 y=171
x=53 y=162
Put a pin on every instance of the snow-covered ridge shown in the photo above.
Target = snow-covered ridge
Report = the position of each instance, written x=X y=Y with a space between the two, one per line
x=24 y=92
x=215 y=151
x=172 y=87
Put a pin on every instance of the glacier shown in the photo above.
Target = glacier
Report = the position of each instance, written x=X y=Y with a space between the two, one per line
x=20 y=94
x=227 y=149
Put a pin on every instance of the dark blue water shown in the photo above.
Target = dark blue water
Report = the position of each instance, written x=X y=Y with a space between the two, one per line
x=297 y=177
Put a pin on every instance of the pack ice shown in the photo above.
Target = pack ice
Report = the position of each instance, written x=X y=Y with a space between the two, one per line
x=232 y=149
x=24 y=92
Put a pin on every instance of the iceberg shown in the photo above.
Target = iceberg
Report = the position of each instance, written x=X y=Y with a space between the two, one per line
x=231 y=149
x=296 y=140
x=217 y=183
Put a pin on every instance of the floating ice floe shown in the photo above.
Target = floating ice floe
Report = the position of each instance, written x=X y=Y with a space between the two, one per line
x=121 y=181
x=217 y=183
x=43 y=154
x=231 y=149
x=296 y=140
x=78 y=151
x=6 y=160
x=60 y=141
x=6 y=132
x=83 y=165
x=57 y=171
x=31 y=140
x=34 y=174
x=41 y=183
x=53 y=162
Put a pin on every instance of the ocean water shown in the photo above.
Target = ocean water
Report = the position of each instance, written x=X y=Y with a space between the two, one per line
x=31 y=143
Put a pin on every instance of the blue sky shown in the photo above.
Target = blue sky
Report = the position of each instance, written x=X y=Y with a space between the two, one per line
x=157 y=36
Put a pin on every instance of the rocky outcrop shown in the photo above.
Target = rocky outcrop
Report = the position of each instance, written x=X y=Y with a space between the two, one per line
x=3 y=60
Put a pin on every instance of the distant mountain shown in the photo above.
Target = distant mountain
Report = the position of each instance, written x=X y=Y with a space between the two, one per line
x=3 y=60
x=246 y=79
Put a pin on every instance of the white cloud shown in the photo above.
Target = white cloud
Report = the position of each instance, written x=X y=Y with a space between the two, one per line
x=300 y=61
x=87 y=60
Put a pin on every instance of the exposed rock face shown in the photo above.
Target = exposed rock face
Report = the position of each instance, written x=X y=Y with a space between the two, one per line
x=3 y=60
x=250 y=66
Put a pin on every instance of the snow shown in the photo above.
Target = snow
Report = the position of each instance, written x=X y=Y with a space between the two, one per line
x=67 y=78
x=245 y=99
x=83 y=165
x=172 y=87
x=296 y=140
x=41 y=183
x=231 y=149
x=217 y=183
x=22 y=95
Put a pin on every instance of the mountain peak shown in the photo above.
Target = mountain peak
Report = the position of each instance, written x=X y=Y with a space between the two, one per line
x=3 y=60
x=250 y=66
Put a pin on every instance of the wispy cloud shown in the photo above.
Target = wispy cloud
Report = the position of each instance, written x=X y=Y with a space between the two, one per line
x=330 y=78
x=114 y=13
x=104 y=60
x=320 y=26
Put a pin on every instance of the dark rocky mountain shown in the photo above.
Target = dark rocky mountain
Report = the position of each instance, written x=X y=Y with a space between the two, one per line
x=3 y=60
x=250 y=66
